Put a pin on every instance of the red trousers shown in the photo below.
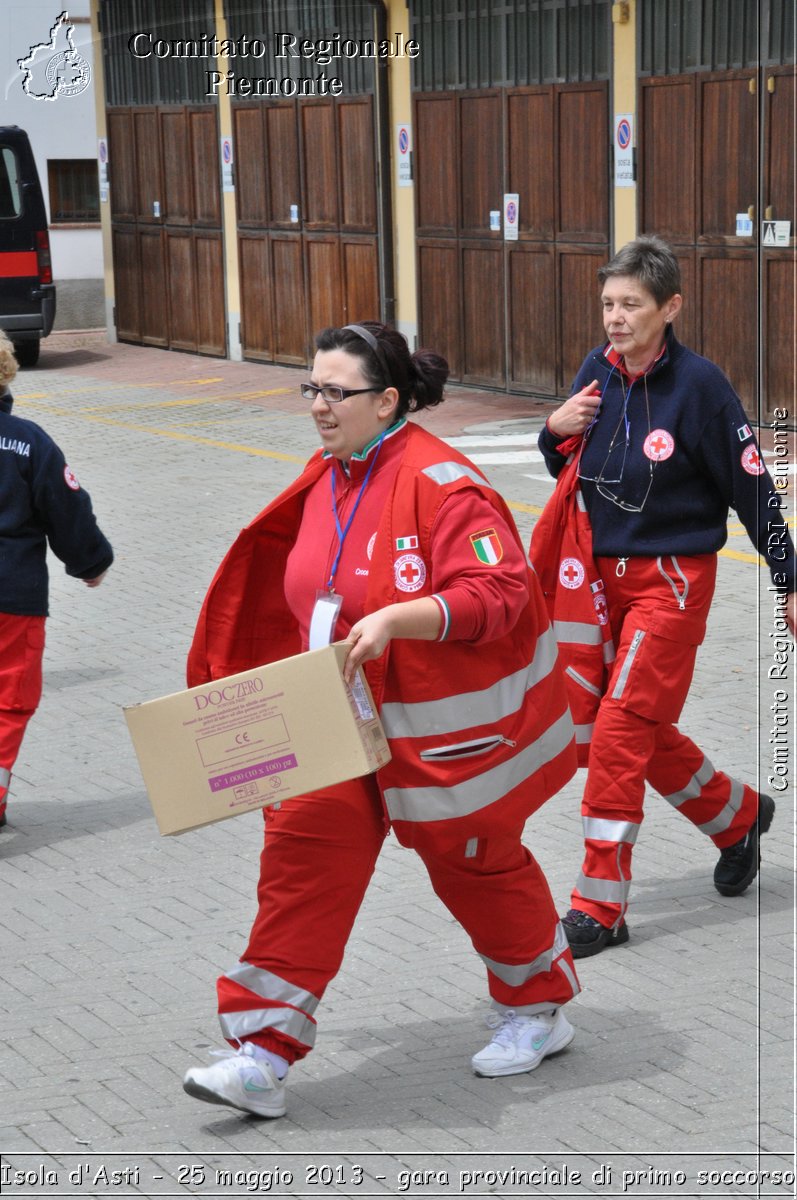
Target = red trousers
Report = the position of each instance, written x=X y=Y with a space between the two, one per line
x=658 y=610
x=21 y=653
x=319 y=855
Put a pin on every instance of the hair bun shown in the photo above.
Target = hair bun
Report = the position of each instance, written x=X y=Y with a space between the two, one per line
x=430 y=372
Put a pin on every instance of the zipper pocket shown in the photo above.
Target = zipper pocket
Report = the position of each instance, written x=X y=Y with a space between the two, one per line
x=679 y=596
x=469 y=749
x=582 y=682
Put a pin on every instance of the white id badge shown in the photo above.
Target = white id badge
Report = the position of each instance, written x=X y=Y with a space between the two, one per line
x=324 y=619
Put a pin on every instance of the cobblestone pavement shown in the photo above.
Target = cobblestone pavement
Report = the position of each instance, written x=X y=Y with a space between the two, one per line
x=112 y=936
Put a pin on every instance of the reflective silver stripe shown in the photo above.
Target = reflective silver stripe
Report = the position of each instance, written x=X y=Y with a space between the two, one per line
x=467 y=709
x=701 y=777
x=582 y=633
x=238 y=1025
x=516 y=974
x=580 y=500
x=725 y=818
x=439 y=804
x=610 y=831
x=625 y=670
x=584 y=734
x=582 y=682
x=609 y=890
x=5 y=777
x=450 y=472
x=569 y=975
x=471 y=847
x=272 y=987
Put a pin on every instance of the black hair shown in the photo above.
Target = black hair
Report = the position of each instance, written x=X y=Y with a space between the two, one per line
x=419 y=378
x=651 y=261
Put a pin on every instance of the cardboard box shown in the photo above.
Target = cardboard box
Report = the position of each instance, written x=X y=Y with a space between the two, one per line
x=253 y=739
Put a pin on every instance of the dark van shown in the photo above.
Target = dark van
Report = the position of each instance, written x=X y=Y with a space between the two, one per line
x=27 y=291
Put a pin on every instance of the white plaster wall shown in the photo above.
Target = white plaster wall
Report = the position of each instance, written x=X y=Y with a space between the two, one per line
x=61 y=128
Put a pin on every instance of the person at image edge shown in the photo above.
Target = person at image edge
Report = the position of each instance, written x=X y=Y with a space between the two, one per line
x=659 y=447
x=41 y=503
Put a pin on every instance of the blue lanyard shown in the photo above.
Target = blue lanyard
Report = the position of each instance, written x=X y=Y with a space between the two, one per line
x=343 y=531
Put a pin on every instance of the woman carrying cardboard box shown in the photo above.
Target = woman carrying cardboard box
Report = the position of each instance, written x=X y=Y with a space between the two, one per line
x=397 y=544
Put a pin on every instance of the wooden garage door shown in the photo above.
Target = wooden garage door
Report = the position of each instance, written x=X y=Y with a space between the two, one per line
x=517 y=314
x=307 y=222
x=166 y=227
x=738 y=291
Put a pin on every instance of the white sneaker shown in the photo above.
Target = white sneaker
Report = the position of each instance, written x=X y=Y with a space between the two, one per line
x=242 y=1079
x=521 y=1042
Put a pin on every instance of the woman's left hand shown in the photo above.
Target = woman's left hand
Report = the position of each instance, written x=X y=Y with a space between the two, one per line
x=370 y=635
x=368 y=639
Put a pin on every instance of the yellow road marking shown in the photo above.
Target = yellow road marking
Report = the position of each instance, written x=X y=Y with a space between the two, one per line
x=176 y=435
x=524 y=508
x=736 y=529
x=183 y=382
x=268 y=392
x=185 y=401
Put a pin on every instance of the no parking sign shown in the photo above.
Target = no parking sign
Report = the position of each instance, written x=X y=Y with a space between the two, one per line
x=624 y=151
x=511 y=213
x=404 y=155
x=227 y=179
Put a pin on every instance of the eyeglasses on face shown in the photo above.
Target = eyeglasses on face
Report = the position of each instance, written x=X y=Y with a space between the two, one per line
x=331 y=392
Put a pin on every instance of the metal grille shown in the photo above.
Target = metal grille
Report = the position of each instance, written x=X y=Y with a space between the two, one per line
x=169 y=79
x=679 y=36
x=779 y=33
x=478 y=44
x=313 y=20
x=173 y=78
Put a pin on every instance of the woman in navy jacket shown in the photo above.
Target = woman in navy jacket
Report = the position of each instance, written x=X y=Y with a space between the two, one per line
x=665 y=451
x=41 y=503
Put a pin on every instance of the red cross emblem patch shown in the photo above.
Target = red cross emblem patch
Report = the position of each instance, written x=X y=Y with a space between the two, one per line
x=410 y=571
x=571 y=573
x=70 y=479
x=599 y=602
x=751 y=461
x=658 y=445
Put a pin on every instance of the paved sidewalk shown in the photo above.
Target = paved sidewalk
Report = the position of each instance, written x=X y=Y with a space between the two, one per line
x=111 y=937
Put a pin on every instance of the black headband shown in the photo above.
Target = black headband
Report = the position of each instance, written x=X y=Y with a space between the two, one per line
x=367 y=336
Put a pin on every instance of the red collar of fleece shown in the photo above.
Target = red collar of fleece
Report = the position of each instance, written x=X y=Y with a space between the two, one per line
x=617 y=360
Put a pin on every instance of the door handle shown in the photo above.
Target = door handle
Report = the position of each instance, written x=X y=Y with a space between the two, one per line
x=768 y=213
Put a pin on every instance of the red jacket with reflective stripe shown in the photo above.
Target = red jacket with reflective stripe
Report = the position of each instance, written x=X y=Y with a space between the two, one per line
x=561 y=553
x=481 y=734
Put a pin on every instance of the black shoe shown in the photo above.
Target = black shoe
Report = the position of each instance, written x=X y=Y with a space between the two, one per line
x=587 y=936
x=738 y=864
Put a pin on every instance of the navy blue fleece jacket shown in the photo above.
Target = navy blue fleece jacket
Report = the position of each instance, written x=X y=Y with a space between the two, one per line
x=682 y=432
x=41 y=501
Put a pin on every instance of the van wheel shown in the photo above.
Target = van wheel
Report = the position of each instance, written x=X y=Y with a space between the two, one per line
x=27 y=352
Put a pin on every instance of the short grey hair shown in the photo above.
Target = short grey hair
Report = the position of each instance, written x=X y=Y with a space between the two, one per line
x=649 y=260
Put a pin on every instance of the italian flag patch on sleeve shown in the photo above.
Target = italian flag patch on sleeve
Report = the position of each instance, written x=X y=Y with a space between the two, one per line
x=407 y=543
x=487 y=546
